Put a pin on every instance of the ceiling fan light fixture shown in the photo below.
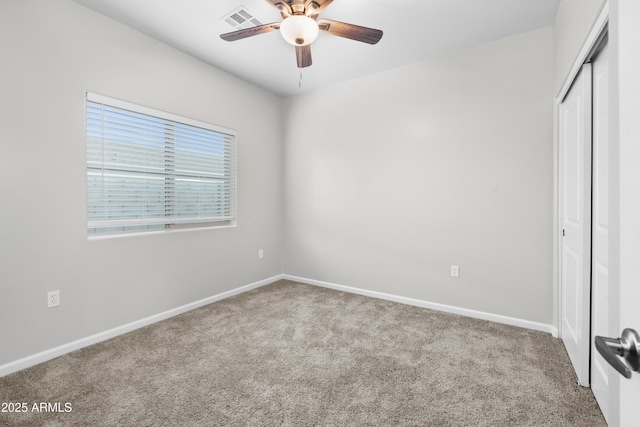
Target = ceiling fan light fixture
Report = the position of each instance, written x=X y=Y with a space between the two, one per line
x=299 y=30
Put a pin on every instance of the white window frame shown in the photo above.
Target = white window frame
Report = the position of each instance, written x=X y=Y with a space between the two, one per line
x=105 y=220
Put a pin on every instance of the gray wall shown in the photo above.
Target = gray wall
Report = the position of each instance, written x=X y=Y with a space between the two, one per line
x=388 y=179
x=392 y=178
x=574 y=20
x=52 y=52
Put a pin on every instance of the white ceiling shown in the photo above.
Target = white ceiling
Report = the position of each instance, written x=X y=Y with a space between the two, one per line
x=414 y=31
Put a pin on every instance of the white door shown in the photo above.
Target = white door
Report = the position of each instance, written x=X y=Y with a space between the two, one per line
x=575 y=284
x=600 y=227
x=624 y=211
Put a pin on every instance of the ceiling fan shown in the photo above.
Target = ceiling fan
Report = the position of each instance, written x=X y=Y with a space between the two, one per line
x=300 y=27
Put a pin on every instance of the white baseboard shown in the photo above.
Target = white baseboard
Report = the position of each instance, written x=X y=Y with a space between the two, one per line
x=431 y=305
x=46 y=355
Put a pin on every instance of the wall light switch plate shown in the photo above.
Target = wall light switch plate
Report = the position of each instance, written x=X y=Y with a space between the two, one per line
x=260 y=254
x=455 y=271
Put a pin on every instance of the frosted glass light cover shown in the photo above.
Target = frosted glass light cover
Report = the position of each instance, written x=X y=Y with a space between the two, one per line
x=299 y=30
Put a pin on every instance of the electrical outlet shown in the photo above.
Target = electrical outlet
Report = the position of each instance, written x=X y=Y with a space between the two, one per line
x=455 y=271
x=260 y=254
x=53 y=299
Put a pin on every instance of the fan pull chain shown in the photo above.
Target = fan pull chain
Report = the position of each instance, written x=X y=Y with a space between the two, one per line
x=300 y=81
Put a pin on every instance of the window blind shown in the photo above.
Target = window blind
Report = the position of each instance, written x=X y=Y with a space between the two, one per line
x=147 y=167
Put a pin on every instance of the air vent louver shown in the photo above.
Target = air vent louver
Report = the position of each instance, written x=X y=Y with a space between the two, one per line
x=241 y=18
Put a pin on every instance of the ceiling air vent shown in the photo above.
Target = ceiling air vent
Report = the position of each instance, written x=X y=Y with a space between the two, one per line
x=241 y=18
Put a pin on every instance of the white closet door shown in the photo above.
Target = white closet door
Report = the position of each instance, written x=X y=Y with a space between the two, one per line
x=575 y=146
x=600 y=231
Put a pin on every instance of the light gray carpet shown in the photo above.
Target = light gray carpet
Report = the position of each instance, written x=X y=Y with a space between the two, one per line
x=296 y=355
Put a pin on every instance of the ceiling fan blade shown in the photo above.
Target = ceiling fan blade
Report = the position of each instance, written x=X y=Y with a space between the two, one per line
x=248 y=32
x=303 y=56
x=350 y=31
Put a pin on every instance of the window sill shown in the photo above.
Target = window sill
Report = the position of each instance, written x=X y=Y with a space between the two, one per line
x=175 y=229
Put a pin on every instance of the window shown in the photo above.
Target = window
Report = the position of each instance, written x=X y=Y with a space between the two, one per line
x=149 y=170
